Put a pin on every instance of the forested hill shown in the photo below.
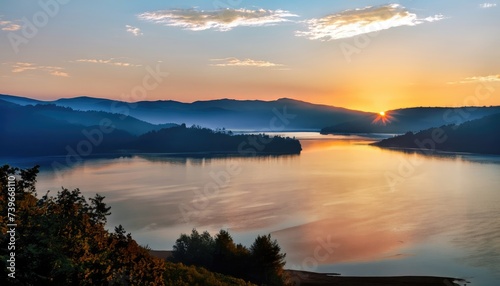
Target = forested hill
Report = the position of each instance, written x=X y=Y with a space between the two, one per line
x=197 y=139
x=477 y=136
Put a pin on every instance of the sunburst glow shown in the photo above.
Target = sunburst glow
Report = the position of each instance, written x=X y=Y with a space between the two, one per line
x=383 y=118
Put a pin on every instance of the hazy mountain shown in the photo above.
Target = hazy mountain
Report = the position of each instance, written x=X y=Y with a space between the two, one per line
x=476 y=136
x=282 y=114
x=411 y=119
x=52 y=130
x=28 y=133
x=90 y=118
x=19 y=100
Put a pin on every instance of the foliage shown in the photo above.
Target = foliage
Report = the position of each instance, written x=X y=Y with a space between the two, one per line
x=261 y=264
x=196 y=249
x=61 y=240
x=182 y=275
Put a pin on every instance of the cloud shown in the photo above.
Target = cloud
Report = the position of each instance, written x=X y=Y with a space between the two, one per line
x=134 y=30
x=478 y=79
x=487 y=5
x=350 y=23
x=59 y=73
x=220 y=20
x=111 y=61
x=234 y=62
x=52 y=70
x=9 y=26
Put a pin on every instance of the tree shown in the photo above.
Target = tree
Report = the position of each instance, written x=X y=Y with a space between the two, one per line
x=225 y=253
x=262 y=264
x=268 y=261
x=196 y=249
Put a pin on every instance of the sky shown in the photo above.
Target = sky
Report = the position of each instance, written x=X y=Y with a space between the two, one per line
x=363 y=55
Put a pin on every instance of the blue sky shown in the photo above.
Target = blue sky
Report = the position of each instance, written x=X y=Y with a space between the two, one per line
x=368 y=55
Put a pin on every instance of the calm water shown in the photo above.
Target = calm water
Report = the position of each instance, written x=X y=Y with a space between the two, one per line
x=340 y=206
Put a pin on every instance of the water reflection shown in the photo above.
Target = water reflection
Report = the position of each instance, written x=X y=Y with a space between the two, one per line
x=336 y=191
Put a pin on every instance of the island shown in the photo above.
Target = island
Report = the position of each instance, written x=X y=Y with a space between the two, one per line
x=182 y=139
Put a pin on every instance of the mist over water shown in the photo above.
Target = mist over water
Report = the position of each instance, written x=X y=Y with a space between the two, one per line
x=340 y=206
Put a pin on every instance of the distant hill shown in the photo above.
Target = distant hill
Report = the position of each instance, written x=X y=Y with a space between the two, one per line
x=51 y=130
x=25 y=132
x=279 y=115
x=411 y=119
x=20 y=100
x=477 y=136
x=90 y=118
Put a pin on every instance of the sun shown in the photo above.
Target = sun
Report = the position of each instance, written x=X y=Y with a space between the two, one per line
x=382 y=118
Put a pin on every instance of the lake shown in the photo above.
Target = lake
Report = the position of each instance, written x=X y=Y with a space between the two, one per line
x=340 y=206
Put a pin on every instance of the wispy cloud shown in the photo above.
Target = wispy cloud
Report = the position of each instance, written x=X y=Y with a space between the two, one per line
x=133 y=30
x=477 y=79
x=220 y=20
x=487 y=5
x=9 y=26
x=234 y=62
x=111 y=61
x=350 y=23
x=20 y=67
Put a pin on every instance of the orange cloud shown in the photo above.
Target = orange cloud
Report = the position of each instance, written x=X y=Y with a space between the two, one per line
x=20 y=67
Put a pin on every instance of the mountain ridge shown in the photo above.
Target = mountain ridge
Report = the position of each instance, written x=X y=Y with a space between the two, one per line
x=283 y=114
x=228 y=113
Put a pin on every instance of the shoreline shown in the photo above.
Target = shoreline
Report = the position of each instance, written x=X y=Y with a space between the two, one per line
x=305 y=278
x=434 y=152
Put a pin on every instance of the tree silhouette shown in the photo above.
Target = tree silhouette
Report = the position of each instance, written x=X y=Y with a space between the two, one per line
x=196 y=249
x=263 y=263
x=268 y=260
